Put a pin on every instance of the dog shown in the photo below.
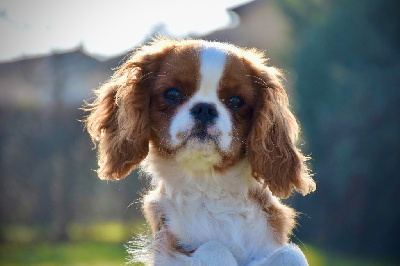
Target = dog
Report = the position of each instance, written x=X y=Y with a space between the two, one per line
x=210 y=123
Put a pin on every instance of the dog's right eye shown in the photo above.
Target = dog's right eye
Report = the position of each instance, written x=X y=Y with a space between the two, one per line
x=173 y=95
x=235 y=102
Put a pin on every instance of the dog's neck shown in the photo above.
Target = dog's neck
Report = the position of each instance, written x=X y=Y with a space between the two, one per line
x=177 y=178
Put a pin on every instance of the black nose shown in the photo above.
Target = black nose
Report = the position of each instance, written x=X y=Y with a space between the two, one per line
x=204 y=112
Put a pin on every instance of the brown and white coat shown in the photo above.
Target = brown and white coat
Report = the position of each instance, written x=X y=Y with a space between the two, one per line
x=210 y=123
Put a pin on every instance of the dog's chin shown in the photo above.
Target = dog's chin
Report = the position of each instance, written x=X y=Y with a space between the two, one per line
x=199 y=154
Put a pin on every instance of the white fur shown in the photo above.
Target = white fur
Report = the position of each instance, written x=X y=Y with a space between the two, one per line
x=212 y=64
x=211 y=207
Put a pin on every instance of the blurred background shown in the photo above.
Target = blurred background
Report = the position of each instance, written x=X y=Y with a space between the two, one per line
x=342 y=62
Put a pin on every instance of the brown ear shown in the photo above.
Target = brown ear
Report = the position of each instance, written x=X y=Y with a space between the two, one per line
x=119 y=116
x=272 y=153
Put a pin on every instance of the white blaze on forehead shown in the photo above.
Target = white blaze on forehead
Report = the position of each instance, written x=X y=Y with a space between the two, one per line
x=212 y=64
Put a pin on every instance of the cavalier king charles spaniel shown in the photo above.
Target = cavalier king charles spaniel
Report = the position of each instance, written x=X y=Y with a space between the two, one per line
x=210 y=124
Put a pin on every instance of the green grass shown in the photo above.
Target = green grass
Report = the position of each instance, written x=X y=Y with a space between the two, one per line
x=95 y=253
x=90 y=244
x=318 y=257
x=102 y=244
x=108 y=232
x=69 y=253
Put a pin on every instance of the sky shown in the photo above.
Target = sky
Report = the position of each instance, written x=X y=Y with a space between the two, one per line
x=104 y=29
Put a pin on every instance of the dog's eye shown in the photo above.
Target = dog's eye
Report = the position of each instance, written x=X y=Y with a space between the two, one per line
x=235 y=102
x=173 y=95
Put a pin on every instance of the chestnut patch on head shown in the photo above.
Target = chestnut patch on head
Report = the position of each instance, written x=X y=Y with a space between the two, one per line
x=175 y=82
x=119 y=116
x=239 y=96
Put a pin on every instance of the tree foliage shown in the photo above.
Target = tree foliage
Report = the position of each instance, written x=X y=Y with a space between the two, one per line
x=348 y=67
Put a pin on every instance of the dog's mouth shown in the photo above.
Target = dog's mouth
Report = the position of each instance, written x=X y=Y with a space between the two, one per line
x=199 y=149
x=203 y=134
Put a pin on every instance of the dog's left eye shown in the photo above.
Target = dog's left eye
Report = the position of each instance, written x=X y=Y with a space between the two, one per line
x=173 y=95
x=235 y=102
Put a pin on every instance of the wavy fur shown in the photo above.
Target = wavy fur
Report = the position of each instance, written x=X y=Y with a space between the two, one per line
x=214 y=200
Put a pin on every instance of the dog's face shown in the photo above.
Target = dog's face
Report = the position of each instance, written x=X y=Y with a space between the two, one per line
x=204 y=105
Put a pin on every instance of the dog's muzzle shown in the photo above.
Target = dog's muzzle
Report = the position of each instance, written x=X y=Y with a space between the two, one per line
x=205 y=115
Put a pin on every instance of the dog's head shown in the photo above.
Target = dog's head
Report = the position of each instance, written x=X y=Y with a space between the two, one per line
x=203 y=105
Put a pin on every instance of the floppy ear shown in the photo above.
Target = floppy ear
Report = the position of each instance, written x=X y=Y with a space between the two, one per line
x=272 y=153
x=119 y=116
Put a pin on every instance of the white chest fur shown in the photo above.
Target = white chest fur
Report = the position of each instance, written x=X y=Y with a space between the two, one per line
x=198 y=209
x=234 y=220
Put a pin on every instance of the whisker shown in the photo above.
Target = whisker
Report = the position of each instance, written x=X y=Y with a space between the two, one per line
x=172 y=65
x=150 y=77
x=259 y=80
x=262 y=84
x=145 y=76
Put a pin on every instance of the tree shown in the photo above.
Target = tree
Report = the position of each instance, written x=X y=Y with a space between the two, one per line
x=348 y=66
